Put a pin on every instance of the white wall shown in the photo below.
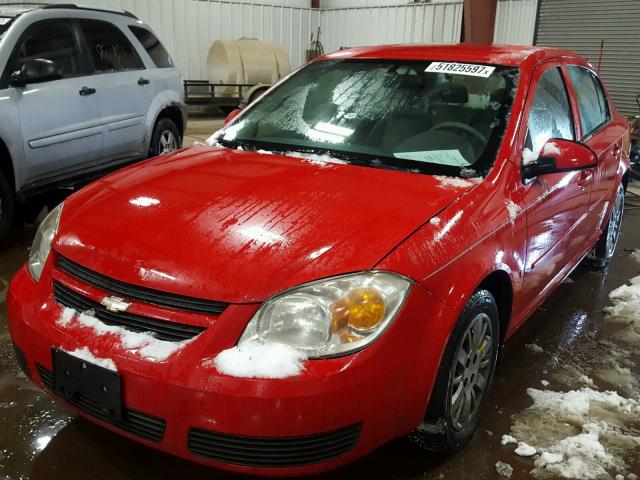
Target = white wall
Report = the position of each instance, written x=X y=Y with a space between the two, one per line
x=360 y=3
x=437 y=22
x=515 y=21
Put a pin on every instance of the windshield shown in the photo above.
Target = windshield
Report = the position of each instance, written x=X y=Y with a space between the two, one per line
x=409 y=115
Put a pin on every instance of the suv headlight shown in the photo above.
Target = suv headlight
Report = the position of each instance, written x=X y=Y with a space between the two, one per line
x=42 y=242
x=331 y=317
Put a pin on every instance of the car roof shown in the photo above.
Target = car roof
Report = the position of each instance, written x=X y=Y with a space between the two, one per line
x=508 y=55
x=15 y=9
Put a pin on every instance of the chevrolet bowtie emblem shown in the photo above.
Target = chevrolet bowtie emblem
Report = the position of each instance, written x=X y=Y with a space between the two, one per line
x=115 y=304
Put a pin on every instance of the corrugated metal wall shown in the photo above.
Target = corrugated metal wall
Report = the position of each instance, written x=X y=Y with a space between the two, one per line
x=515 y=21
x=435 y=22
x=580 y=25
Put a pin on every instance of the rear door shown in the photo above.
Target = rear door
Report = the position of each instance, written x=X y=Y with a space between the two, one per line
x=125 y=93
x=60 y=119
x=595 y=118
x=557 y=204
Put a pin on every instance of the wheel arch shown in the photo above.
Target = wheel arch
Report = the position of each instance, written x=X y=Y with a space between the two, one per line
x=173 y=112
x=498 y=283
x=6 y=164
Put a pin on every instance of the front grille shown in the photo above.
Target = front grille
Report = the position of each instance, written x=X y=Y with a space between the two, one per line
x=275 y=451
x=133 y=421
x=21 y=360
x=162 y=330
x=141 y=294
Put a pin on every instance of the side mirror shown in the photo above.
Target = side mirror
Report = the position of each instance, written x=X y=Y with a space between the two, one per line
x=231 y=116
x=36 y=70
x=559 y=156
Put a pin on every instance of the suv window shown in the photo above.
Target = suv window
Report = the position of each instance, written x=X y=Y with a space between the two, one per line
x=594 y=110
x=153 y=47
x=550 y=115
x=53 y=41
x=110 y=50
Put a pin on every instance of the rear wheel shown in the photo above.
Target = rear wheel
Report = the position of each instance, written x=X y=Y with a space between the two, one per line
x=465 y=375
x=603 y=251
x=165 y=138
x=7 y=205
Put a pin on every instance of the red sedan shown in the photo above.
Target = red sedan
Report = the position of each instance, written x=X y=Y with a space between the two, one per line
x=339 y=267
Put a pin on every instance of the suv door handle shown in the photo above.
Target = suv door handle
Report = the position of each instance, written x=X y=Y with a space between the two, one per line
x=86 y=91
x=143 y=81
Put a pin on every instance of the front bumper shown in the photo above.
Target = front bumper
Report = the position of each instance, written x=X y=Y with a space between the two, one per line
x=334 y=412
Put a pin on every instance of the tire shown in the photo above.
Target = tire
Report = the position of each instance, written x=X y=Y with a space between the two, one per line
x=466 y=364
x=602 y=252
x=7 y=206
x=165 y=138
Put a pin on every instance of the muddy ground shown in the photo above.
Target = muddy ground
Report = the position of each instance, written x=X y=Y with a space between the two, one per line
x=41 y=440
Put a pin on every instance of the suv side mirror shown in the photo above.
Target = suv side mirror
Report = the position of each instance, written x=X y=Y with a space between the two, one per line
x=231 y=116
x=36 y=70
x=559 y=156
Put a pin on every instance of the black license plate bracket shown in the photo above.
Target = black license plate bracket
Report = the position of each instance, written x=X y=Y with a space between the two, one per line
x=80 y=381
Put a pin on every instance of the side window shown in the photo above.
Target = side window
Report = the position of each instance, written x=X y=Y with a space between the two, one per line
x=594 y=110
x=153 y=47
x=50 y=41
x=108 y=47
x=550 y=115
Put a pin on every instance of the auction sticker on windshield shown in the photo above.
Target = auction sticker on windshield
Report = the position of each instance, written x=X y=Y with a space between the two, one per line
x=461 y=69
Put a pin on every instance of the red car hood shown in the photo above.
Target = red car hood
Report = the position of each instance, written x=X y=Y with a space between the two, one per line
x=241 y=226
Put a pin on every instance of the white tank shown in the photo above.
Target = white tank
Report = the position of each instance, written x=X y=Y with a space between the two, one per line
x=248 y=61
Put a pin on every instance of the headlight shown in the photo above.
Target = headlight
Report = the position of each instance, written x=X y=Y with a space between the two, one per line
x=42 y=242
x=331 y=317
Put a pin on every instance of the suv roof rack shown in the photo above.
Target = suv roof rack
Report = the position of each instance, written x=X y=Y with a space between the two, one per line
x=48 y=6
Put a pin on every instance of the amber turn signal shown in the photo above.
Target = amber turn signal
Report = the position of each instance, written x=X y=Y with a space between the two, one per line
x=361 y=310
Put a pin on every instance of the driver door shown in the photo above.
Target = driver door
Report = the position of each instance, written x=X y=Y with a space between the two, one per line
x=557 y=204
x=59 y=119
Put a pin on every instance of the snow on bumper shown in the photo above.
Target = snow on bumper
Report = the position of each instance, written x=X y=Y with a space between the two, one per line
x=384 y=388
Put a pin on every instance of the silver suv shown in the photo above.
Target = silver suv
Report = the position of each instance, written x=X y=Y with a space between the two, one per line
x=82 y=92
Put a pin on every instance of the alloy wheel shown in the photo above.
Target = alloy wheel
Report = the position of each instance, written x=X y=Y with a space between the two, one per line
x=471 y=371
x=615 y=222
x=167 y=143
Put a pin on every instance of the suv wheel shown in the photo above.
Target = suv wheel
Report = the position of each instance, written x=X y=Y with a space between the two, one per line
x=7 y=206
x=602 y=252
x=165 y=138
x=465 y=375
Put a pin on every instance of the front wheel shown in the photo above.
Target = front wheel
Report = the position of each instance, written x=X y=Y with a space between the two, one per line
x=603 y=250
x=165 y=138
x=465 y=375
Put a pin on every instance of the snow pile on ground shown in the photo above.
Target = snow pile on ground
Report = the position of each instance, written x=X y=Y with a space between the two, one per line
x=636 y=255
x=582 y=434
x=534 y=347
x=255 y=359
x=504 y=469
x=625 y=310
x=457 y=182
x=315 y=159
x=85 y=354
x=145 y=344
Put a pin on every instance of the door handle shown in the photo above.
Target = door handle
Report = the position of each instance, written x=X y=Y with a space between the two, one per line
x=86 y=91
x=616 y=149
x=584 y=178
x=143 y=81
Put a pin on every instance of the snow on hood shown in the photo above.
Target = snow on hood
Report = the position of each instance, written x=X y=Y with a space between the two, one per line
x=240 y=226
